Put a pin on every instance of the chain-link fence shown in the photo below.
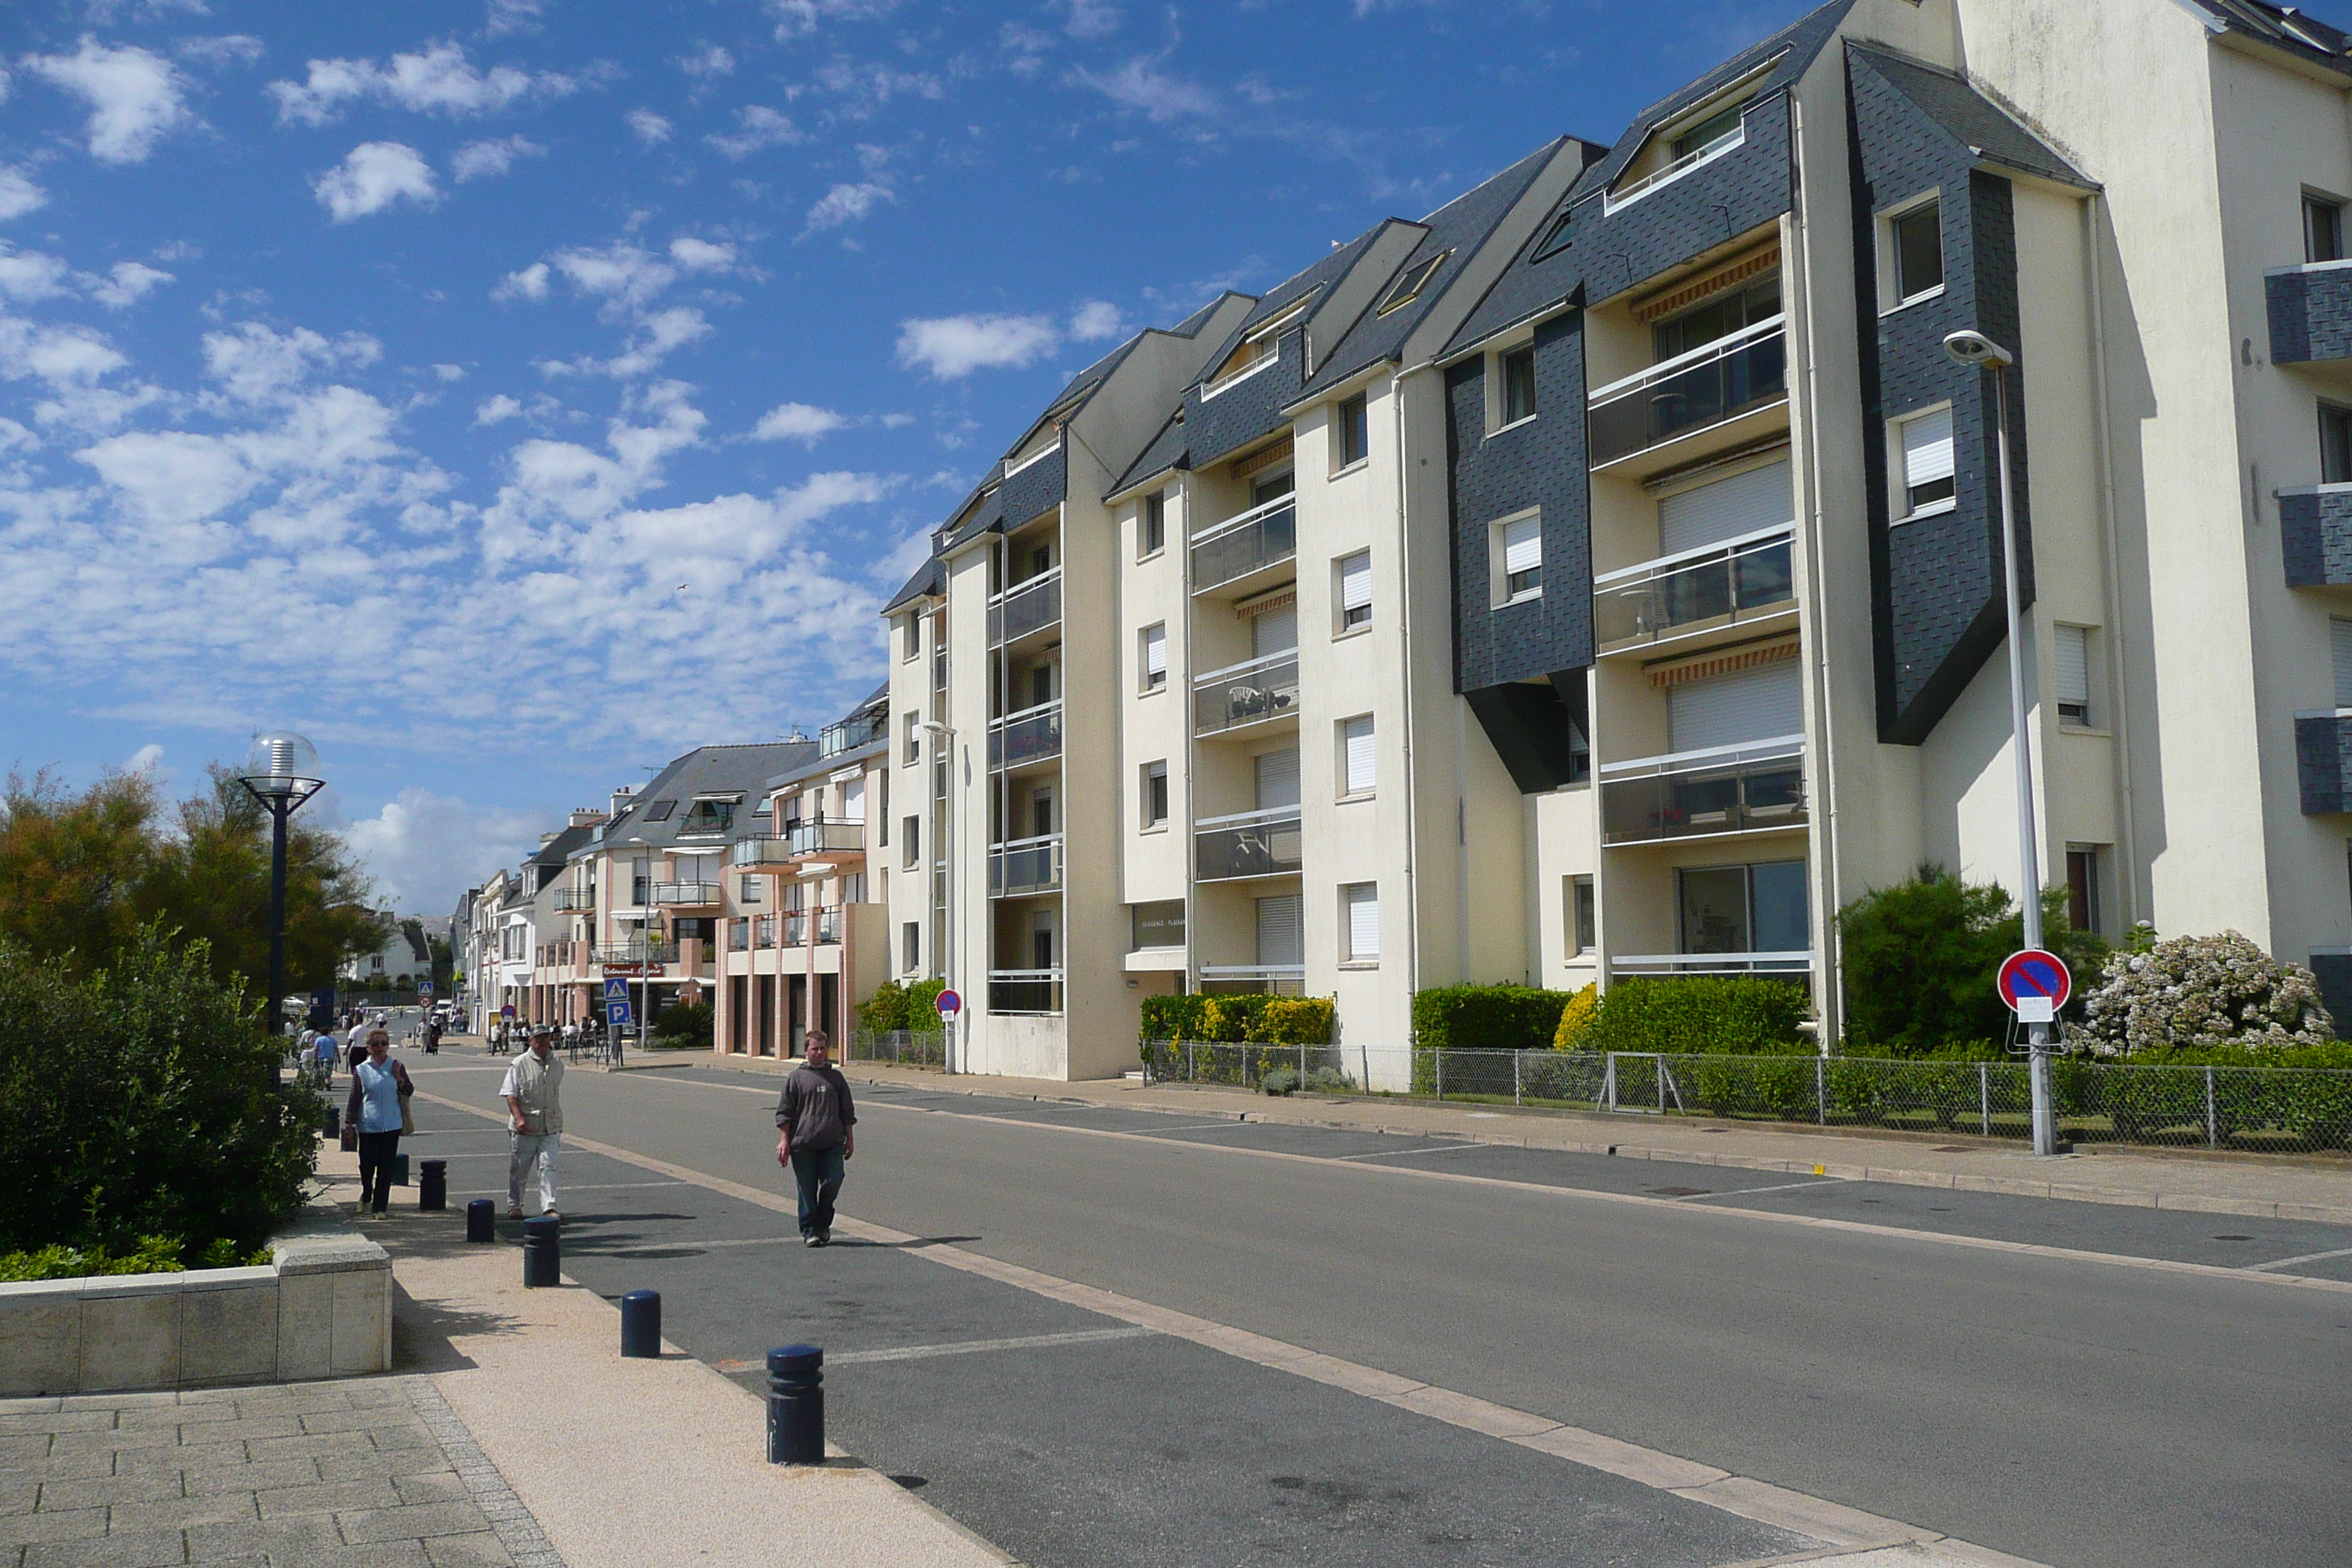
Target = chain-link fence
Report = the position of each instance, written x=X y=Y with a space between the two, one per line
x=898 y=1047
x=2273 y=1110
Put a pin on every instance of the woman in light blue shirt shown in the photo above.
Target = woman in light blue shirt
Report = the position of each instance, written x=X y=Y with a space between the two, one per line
x=378 y=1086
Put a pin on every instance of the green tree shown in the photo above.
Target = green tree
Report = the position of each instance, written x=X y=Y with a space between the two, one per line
x=72 y=866
x=1921 y=958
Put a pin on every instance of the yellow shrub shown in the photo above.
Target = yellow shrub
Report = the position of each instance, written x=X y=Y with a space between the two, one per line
x=1576 y=1018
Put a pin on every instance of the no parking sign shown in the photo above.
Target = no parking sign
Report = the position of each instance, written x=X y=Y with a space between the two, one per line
x=2035 y=984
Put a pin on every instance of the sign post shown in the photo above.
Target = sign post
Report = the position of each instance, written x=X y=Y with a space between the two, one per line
x=617 y=1013
x=949 y=1004
x=2035 y=984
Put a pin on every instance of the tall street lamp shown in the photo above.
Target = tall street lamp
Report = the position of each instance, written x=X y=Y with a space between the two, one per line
x=281 y=771
x=1971 y=347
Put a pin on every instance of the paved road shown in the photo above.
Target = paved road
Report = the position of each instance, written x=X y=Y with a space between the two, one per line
x=2068 y=1409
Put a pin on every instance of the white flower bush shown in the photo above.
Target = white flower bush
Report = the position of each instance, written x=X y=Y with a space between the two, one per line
x=2203 y=991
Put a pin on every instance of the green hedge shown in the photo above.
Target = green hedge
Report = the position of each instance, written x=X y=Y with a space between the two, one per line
x=1702 y=1014
x=1250 y=1016
x=1486 y=1017
x=912 y=1006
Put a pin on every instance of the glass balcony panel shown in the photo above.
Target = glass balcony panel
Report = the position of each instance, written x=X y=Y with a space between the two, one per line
x=1735 y=583
x=637 y=950
x=759 y=850
x=796 y=928
x=1735 y=789
x=738 y=935
x=1026 y=607
x=763 y=932
x=1253 y=844
x=824 y=837
x=850 y=734
x=1241 y=545
x=576 y=898
x=1746 y=372
x=1024 y=991
x=828 y=925
x=1029 y=737
x=1245 y=694
x=688 y=894
x=1025 y=866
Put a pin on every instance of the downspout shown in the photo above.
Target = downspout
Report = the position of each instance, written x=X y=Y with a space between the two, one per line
x=1412 y=776
x=2119 y=720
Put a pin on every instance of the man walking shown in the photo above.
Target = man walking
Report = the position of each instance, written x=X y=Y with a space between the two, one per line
x=327 y=1051
x=533 y=1093
x=818 y=1123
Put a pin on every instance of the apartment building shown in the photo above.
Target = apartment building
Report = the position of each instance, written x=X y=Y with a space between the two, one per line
x=1603 y=576
x=806 y=935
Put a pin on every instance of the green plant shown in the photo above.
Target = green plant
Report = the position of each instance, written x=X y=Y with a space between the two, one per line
x=1279 y=1081
x=1486 y=1017
x=922 y=1007
x=1921 y=958
x=1297 y=1020
x=1250 y=1016
x=885 y=1010
x=684 y=1025
x=2203 y=991
x=1738 y=1014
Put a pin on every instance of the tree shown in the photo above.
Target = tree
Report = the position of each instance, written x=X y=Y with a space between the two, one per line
x=71 y=867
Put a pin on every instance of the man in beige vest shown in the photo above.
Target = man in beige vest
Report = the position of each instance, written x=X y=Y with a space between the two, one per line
x=533 y=1093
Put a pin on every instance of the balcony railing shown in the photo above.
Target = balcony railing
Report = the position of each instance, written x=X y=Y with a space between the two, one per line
x=1025 y=866
x=1031 y=735
x=796 y=928
x=576 y=898
x=851 y=734
x=1750 y=788
x=1716 y=382
x=689 y=895
x=763 y=932
x=1238 y=546
x=738 y=935
x=1027 y=606
x=1244 y=694
x=1798 y=962
x=1024 y=990
x=1248 y=844
x=1635 y=190
x=759 y=850
x=825 y=838
x=639 y=950
x=828 y=925
x=1720 y=585
x=1272 y=979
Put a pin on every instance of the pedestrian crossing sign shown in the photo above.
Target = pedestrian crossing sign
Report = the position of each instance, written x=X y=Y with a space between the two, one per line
x=616 y=991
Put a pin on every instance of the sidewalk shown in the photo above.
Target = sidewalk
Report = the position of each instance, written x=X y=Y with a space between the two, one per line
x=2227 y=1185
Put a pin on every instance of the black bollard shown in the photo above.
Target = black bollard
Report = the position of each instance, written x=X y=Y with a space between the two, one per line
x=796 y=1405
x=432 y=1184
x=335 y=1122
x=481 y=1220
x=542 y=1254
x=640 y=1324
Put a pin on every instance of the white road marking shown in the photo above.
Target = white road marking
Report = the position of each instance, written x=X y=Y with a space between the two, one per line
x=1402 y=1154
x=974 y=1347
x=1743 y=1192
x=2306 y=1258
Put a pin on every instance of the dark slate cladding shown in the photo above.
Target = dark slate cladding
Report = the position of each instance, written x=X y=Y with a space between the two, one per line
x=2334 y=973
x=1214 y=426
x=1938 y=608
x=1035 y=489
x=2322 y=764
x=2311 y=315
x=1691 y=215
x=987 y=517
x=2316 y=532
x=1539 y=463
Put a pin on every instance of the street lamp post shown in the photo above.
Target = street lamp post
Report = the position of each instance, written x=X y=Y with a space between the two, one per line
x=1972 y=348
x=281 y=771
x=943 y=736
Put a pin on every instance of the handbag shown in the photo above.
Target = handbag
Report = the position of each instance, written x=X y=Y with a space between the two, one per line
x=350 y=1139
x=408 y=1117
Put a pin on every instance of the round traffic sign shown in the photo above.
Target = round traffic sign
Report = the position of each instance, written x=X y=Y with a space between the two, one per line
x=950 y=1004
x=2035 y=975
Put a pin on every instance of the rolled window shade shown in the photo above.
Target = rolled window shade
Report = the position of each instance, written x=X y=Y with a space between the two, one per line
x=1356 y=581
x=1356 y=739
x=1275 y=631
x=1277 y=779
x=1364 y=921
x=2074 y=653
x=1523 y=545
x=1155 y=651
x=1927 y=449
x=1281 y=937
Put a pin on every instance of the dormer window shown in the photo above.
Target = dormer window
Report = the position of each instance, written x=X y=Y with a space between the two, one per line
x=1699 y=134
x=1259 y=348
x=1416 y=278
x=1703 y=137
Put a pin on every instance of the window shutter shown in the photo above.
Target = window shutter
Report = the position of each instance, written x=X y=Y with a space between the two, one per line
x=1277 y=779
x=1523 y=545
x=1155 y=651
x=1744 y=503
x=2340 y=636
x=2074 y=652
x=1927 y=449
x=1364 y=921
x=853 y=800
x=1356 y=739
x=1276 y=631
x=1761 y=704
x=1281 y=939
x=1356 y=581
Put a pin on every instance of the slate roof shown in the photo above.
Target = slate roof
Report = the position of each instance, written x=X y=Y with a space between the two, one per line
x=2284 y=26
x=878 y=699
x=558 y=849
x=1167 y=449
x=1280 y=298
x=929 y=581
x=1971 y=117
x=706 y=771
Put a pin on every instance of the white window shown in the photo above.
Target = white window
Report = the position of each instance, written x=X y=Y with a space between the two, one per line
x=1581 y=921
x=914 y=738
x=1155 y=656
x=1911 y=254
x=1155 y=794
x=910 y=947
x=1926 y=454
x=1355 y=590
x=1360 y=917
x=2074 y=659
x=1515 y=549
x=1356 y=775
x=2339 y=634
x=911 y=630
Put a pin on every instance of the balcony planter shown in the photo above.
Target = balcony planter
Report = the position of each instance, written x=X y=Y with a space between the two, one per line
x=2323 y=761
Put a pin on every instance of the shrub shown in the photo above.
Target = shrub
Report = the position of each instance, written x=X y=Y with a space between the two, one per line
x=1739 y=1015
x=1576 y=1020
x=1279 y=1081
x=2203 y=991
x=144 y=1102
x=1486 y=1017
x=1250 y=1016
x=923 y=1006
x=684 y=1026
x=1297 y=1020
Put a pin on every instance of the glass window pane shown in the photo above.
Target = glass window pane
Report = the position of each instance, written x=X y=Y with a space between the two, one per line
x=1714 y=909
x=1919 y=250
x=1783 y=923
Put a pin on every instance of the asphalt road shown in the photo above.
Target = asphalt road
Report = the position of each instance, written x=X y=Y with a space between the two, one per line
x=2066 y=1408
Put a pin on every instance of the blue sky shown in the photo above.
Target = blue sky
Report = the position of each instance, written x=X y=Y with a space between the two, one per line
x=512 y=395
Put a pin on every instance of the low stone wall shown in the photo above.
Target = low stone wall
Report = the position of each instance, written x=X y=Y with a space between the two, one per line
x=321 y=1308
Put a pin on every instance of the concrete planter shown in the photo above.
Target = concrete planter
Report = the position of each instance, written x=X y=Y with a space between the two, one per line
x=321 y=1309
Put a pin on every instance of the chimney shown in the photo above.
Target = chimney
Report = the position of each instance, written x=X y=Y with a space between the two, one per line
x=623 y=795
x=545 y=840
x=586 y=817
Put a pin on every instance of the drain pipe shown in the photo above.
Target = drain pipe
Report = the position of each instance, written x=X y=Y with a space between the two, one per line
x=1411 y=777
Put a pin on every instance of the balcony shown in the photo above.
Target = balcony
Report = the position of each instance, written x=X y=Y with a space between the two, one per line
x=1714 y=383
x=1026 y=608
x=1025 y=866
x=828 y=926
x=2315 y=534
x=1031 y=735
x=1248 y=844
x=824 y=836
x=739 y=936
x=1231 y=554
x=637 y=950
x=1796 y=965
x=797 y=924
x=576 y=898
x=2310 y=311
x=763 y=932
x=760 y=850
x=1272 y=979
x=851 y=734
x=1634 y=190
x=687 y=894
x=2323 y=761
x=1024 y=991
x=1755 y=787
x=1681 y=595
x=1241 y=696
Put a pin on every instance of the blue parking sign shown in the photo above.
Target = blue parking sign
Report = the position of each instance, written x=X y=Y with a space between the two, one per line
x=617 y=1013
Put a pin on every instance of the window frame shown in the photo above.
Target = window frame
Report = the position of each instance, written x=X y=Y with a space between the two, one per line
x=910 y=947
x=1891 y=295
x=1898 y=470
x=1506 y=360
x=1349 y=898
x=1351 y=420
x=1500 y=593
x=2315 y=203
x=2335 y=443
x=1581 y=917
x=1153 y=773
x=1348 y=792
x=1341 y=626
x=2087 y=718
x=1151 y=526
x=1150 y=681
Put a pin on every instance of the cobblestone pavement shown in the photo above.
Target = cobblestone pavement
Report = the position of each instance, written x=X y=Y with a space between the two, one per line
x=357 y=1474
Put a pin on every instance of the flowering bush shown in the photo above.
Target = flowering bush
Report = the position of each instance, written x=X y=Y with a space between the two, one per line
x=2203 y=991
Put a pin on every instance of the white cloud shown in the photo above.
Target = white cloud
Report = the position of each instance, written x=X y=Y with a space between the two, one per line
x=761 y=127
x=701 y=255
x=1096 y=319
x=1092 y=18
x=1141 y=84
x=128 y=282
x=708 y=62
x=530 y=283
x=145 y=759
x=625 y=274
x=255 y=364
x=231 y=49
x=651 y=128
x=449 y=373
x=371 y=177
x=135 y=97
x=498 y=410
x=483 y=160
x=421 y=850
x=18 y=194
x=953 y=346
x=655 y=336
x=30 y=275
x=513 y=17
x=801 y=422
x=846 y=205
x=440 y=80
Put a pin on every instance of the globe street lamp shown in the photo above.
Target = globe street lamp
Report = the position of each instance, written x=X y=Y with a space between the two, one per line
x=1972 y=348
x=281 y=771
